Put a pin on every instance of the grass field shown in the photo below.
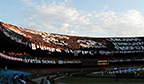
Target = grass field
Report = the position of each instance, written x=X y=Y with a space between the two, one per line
x=102 y=80
x=99 y=80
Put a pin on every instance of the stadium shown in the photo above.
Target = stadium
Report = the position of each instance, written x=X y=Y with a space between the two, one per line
x=37 y=54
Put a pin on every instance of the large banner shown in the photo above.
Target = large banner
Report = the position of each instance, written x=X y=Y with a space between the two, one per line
x=38 y=61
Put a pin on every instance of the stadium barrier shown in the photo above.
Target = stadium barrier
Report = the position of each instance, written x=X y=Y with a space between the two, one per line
x=10 y=57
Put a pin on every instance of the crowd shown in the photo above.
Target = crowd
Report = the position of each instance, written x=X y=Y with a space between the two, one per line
x=112 y=59
x=16 y=54
x=19 y=79
x=47 y=81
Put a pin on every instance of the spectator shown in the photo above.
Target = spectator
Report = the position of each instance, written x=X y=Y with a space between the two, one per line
x=9 y=53
x=116 y=76
x=135 y=74
x=22 y=77
x=22 y=81
x=54 y=82
x=3 y=52
x=42 y=81
x=57 y=73
x=142 y=74
x=12 y=53
x=5 y=68
x=47 y=80
x=102 y=72
x=16 y=78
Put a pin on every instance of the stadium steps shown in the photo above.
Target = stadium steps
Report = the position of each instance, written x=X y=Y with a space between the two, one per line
x=7 y=75
x=1 y=79
x=10 y=79
x=4 y=78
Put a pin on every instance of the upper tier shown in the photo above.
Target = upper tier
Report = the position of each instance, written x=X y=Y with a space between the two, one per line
x=72 y=44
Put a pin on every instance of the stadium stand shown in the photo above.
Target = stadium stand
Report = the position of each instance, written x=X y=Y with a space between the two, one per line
x=36 y=52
